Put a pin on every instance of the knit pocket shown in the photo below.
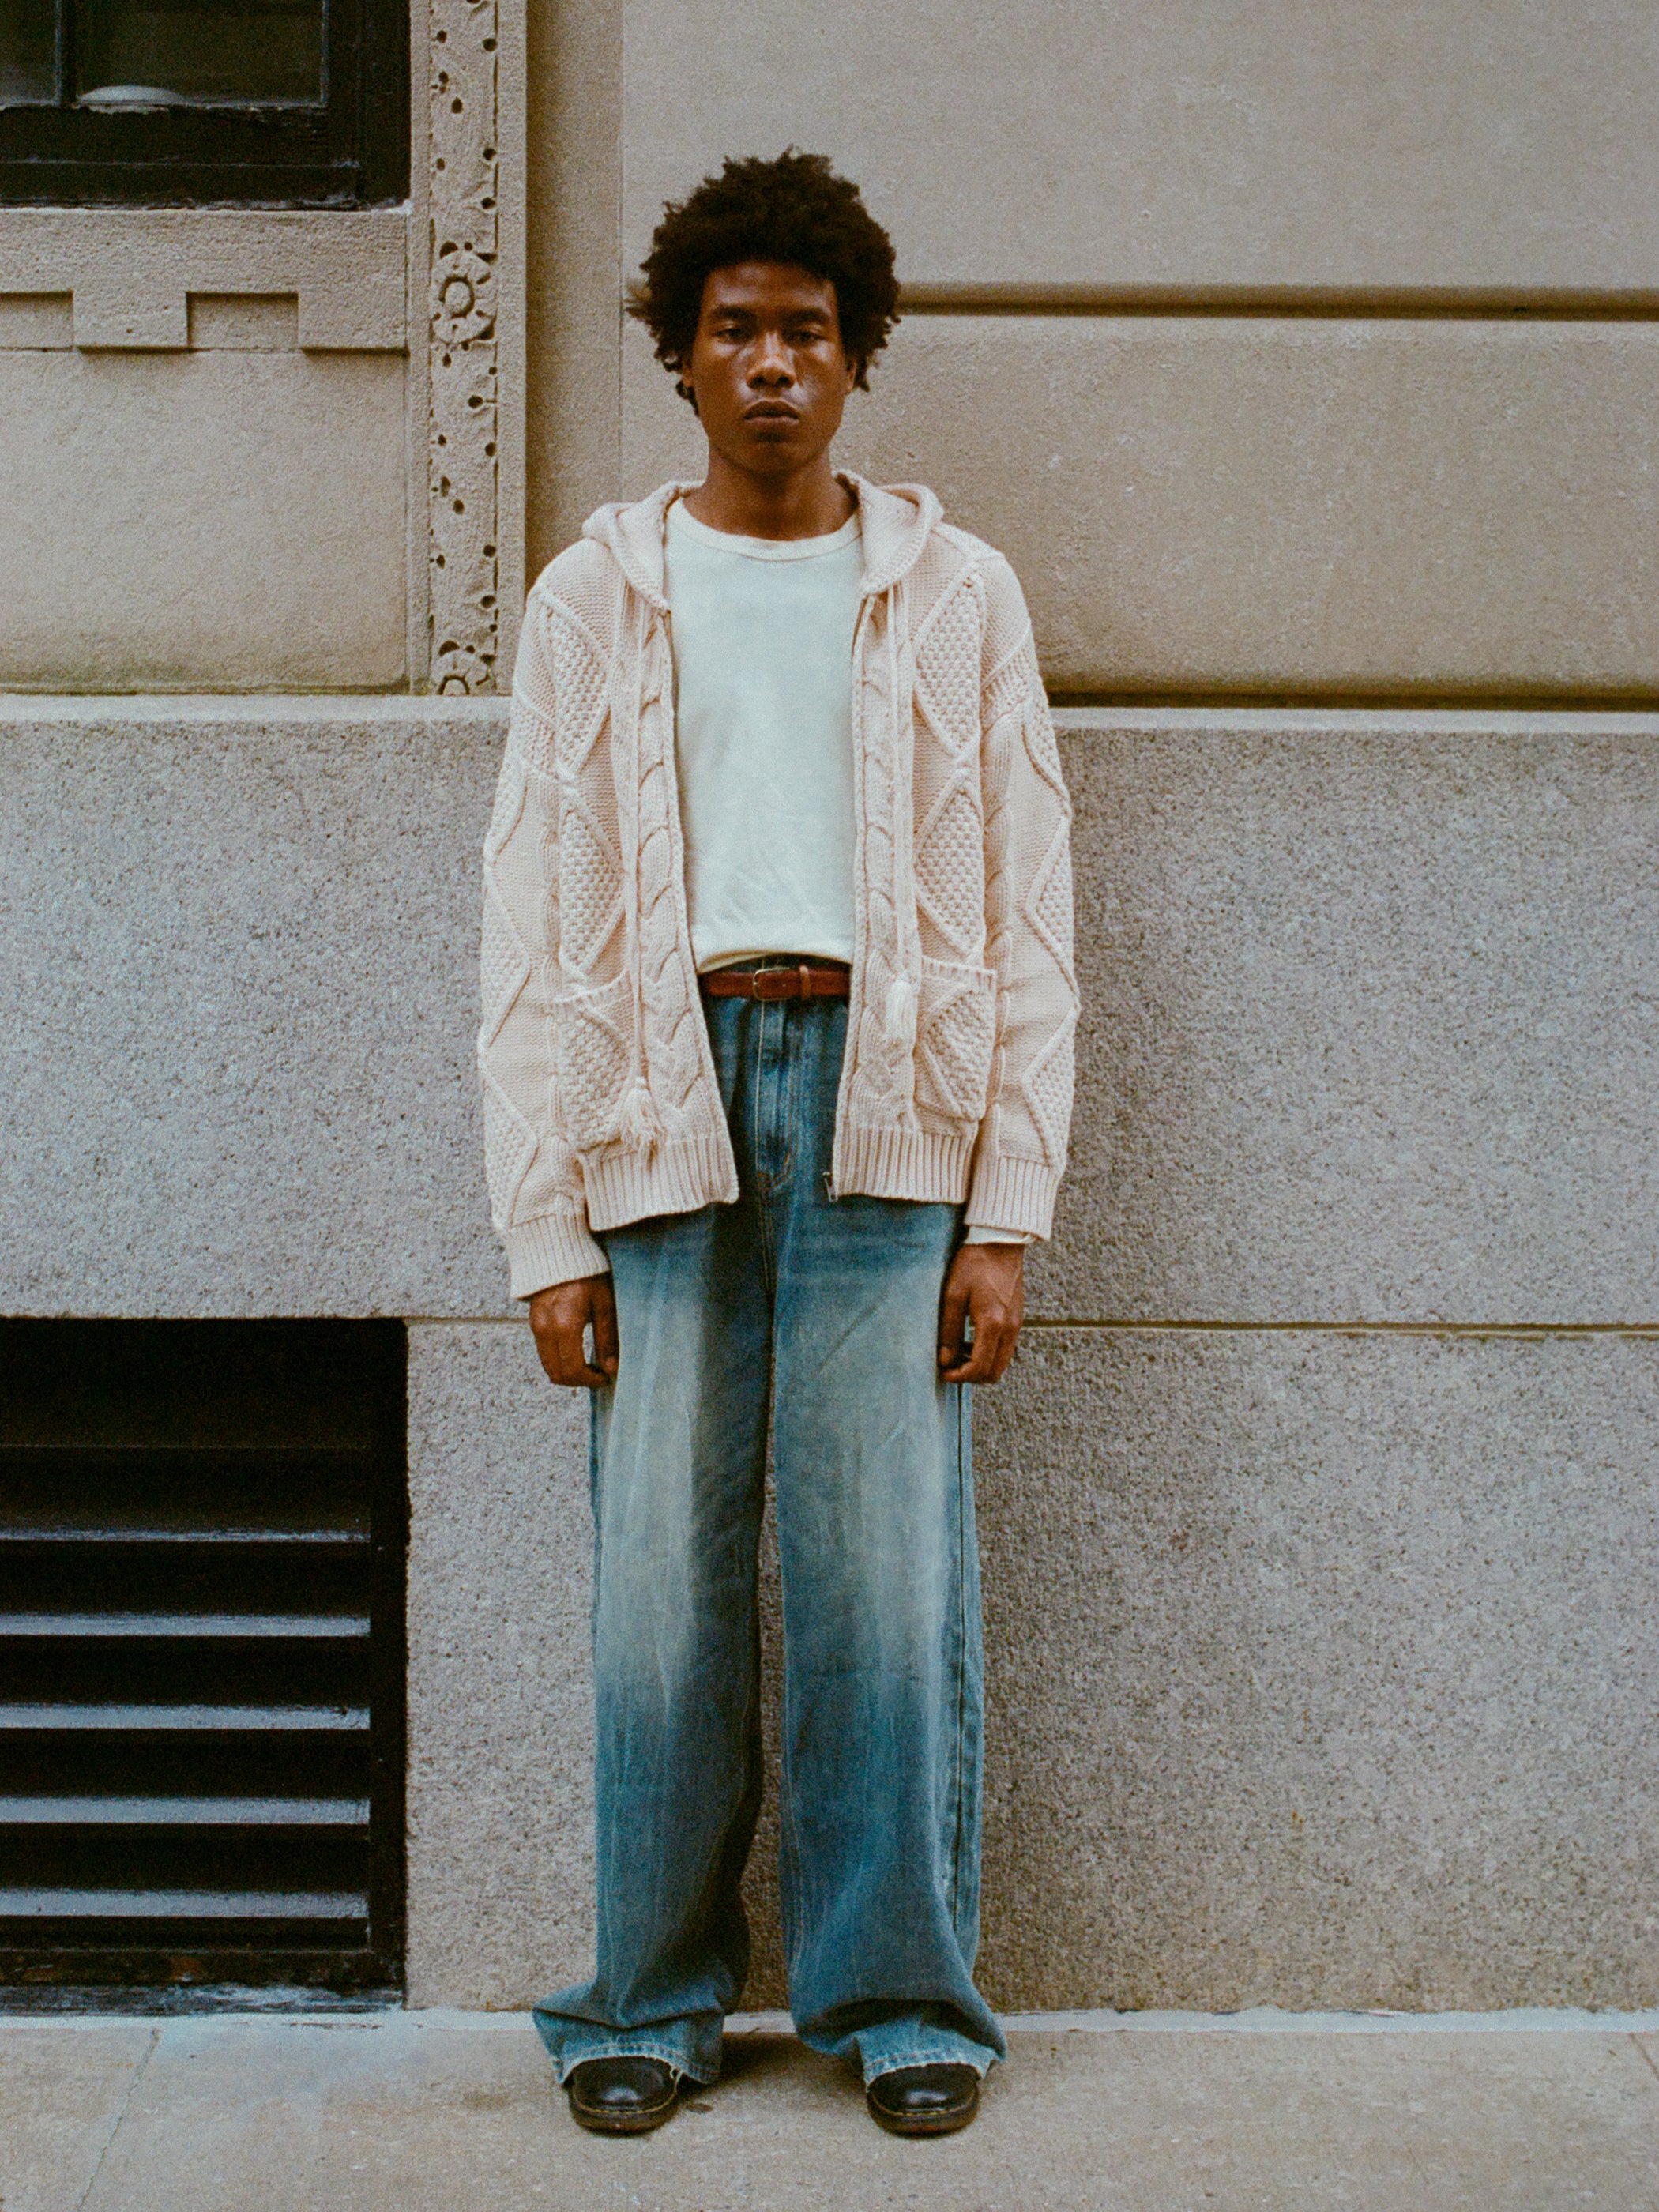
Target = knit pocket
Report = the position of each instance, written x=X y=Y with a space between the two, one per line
x=956 y=1036
x=593 y=1057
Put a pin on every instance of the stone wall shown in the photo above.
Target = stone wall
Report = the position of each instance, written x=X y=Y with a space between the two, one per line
x=1318 y=1531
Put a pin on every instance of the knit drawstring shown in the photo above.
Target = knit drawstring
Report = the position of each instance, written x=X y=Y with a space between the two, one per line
x=638 y=1123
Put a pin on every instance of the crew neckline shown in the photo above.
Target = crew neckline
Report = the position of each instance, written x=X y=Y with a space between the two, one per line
x=762 y=549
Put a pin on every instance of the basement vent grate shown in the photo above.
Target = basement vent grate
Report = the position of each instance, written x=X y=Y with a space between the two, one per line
x=202 y=1541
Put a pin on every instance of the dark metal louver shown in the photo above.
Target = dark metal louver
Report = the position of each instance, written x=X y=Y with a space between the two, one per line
x=202 y=1530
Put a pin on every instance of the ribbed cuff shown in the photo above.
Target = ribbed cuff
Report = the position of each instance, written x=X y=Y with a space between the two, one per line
x=902 y=1164
x=553 y=1248
x=676 y=1177
x=1015 y=1194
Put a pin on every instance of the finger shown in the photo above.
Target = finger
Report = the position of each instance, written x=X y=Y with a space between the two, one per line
x=604 y=1327
x=979 y=1366
x=559 y=1343
x=973 y=1362
x=1007 y=1345
x=580 y=1372
x=952 y=1317
x=548 y=1353
x=544 y=1328
x=996 y=1337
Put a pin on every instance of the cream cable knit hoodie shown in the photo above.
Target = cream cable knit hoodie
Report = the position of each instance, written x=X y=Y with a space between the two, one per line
x=600 y=1102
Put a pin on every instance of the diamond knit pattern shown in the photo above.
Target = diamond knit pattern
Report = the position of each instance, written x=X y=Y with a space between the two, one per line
x=591 y=901
x=579 y=687
x=958 y=1030
x=503 y=965
x=950 y=873
x=947 y=667
x=600 y=1102
x=594 y=1058
x=509 y=1148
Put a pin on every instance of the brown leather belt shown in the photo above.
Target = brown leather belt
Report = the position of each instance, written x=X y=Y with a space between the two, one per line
x=802 y=979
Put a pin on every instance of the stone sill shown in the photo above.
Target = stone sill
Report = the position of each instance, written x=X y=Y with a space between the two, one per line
x=253 y=711
x=266 y=710
x=123 y=279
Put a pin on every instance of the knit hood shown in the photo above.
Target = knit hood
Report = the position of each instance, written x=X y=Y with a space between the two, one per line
x=896 y=520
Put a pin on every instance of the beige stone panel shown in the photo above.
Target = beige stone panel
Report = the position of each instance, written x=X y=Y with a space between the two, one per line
x=1152 y=145
x=1368 y=1029
x=1265 y=504
x=214 y=521
x=1319 y=1671
x=501 y=1726
x=240 y=965
x=572 y=304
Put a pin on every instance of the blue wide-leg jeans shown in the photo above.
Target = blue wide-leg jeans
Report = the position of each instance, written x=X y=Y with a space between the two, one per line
x=825 y=1311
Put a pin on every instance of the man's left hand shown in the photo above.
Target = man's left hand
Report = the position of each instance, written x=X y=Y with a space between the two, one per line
x=986 y=1284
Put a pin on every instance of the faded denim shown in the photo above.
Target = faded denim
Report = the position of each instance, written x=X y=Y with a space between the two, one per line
x=827 y=1309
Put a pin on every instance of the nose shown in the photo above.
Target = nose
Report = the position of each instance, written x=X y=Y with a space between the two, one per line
x=770 y=364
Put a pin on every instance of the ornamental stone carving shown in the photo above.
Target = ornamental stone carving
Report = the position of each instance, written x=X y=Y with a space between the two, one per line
x=463 y=353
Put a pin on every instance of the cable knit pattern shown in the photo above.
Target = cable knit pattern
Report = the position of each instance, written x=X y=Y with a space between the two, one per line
x=600 y=1102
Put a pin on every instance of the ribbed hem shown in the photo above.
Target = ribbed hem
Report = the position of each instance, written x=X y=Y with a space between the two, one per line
x=902 y=1164
x=555 y=1248
x=1014 y=1193
x=676 y=1178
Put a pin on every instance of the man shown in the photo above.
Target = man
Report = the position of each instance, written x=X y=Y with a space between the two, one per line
x=776 y=1059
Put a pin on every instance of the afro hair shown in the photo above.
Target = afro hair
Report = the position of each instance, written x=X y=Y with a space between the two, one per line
x=794 y=210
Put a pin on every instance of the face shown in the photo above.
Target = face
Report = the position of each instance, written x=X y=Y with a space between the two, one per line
x=768 y=369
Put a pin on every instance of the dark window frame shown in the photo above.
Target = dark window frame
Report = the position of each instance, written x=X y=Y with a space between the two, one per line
x=349 y=149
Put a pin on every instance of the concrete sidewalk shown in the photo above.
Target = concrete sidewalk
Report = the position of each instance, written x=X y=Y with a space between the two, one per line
x=449 y=2112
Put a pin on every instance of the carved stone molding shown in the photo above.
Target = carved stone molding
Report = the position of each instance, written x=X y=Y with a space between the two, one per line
x=462 y=445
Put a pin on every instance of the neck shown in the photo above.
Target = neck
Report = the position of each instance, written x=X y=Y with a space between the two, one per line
x=809 y=503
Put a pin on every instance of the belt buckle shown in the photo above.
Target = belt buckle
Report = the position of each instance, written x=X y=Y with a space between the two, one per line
x=784 y=983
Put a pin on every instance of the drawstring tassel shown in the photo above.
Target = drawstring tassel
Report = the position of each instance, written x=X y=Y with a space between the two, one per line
x=902 y=1012
x=637 y=1124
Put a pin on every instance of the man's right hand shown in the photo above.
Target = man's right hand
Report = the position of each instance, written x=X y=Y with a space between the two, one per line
x=558 y=1318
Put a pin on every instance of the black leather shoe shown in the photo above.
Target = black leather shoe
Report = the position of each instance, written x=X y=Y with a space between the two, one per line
x=924 y=2100
x=621 y=2096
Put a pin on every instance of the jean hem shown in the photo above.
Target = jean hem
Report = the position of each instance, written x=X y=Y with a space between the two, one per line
x=633 y=2046
x=893 y=2062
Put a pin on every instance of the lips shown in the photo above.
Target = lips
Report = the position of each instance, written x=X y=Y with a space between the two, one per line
x=770 y=410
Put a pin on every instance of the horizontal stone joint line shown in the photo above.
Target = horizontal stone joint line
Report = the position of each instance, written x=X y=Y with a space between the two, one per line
x=1357 y=303
x=1524 y=1330
x=1405 y=699
x=1521 y=1331
x=465 y=1321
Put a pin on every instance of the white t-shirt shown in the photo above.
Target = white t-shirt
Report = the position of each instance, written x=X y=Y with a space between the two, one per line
x=762 y=639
